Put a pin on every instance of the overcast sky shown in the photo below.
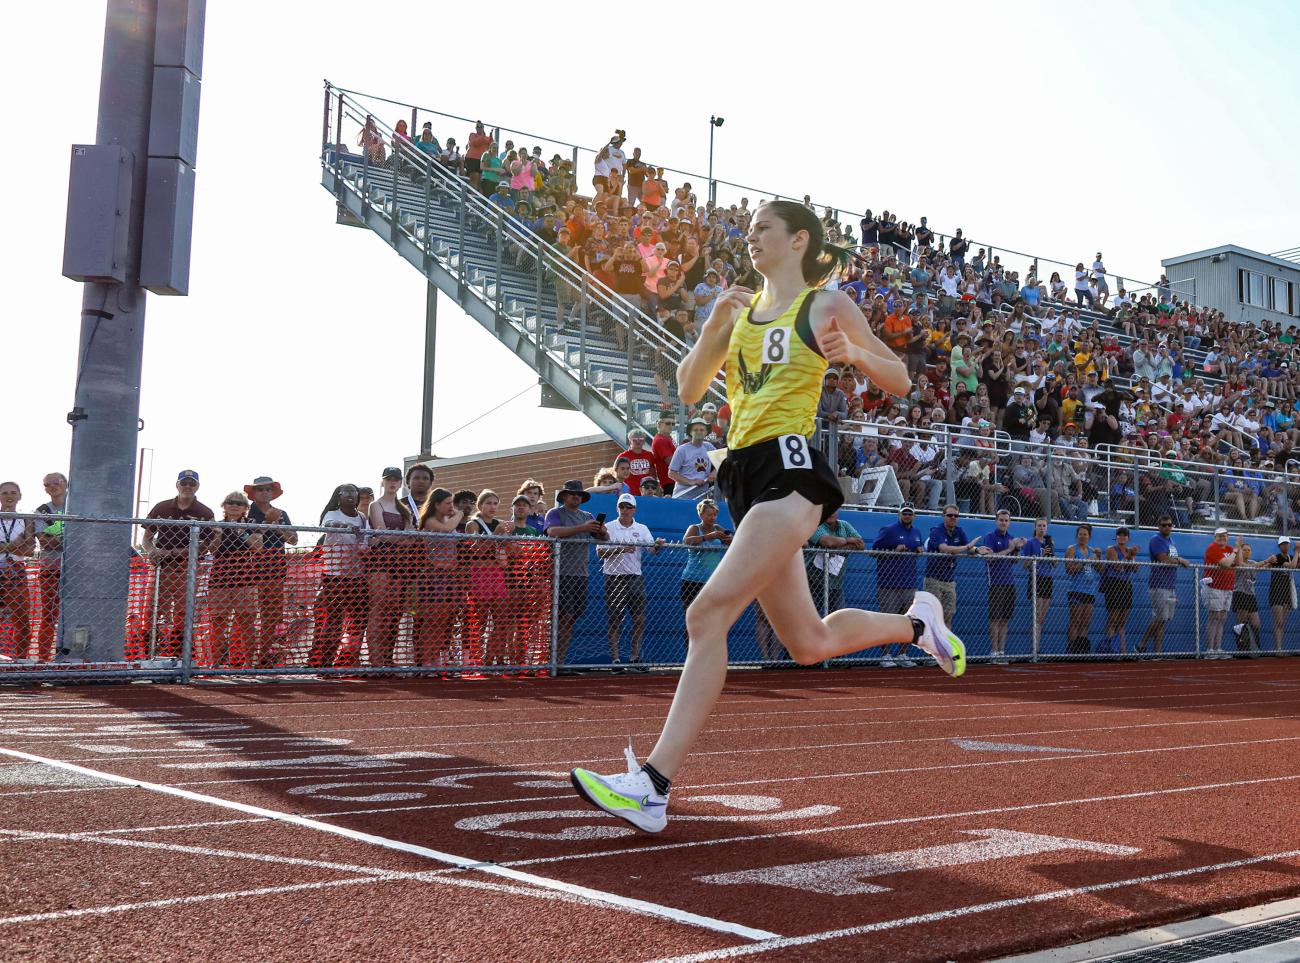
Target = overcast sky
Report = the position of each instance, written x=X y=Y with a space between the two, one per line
x=1139 y=129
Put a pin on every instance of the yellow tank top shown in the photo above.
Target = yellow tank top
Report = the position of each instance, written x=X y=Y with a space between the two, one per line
x=774 y=374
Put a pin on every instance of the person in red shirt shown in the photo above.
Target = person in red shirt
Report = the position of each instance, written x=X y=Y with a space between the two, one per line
x=1219 y=581
x=643 y=459
x=663 y=445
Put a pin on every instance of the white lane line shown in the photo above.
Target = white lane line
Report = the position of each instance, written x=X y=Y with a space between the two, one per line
x=234 y=717
x=905 y=820
x=180 y=733
x=186 y=900
x=785 y=942
x=460 y=862
x=153 y=755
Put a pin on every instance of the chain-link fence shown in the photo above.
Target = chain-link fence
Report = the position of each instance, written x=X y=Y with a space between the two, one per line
x=207 y=598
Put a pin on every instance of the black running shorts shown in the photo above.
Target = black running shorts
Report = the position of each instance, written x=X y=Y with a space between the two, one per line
x=773 y=469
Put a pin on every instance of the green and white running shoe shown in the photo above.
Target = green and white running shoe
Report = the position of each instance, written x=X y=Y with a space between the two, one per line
x=938 y=640
x=628 y=795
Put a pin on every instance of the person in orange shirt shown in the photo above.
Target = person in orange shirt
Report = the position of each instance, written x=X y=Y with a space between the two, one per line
x=898 y=328
x=1219 y=581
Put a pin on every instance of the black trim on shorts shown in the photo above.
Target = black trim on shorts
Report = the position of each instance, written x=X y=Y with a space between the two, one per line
x=757 y=473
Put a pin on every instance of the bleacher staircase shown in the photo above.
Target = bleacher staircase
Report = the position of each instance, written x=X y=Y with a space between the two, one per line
x=504 y=276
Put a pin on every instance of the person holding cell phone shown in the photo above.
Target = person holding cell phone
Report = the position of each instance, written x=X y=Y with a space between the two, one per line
x=575 y=527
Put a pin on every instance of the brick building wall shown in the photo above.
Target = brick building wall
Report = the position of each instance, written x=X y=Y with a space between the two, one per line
x=552 y=464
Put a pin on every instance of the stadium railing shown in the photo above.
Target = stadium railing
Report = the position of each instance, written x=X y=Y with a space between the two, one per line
x=213 y=603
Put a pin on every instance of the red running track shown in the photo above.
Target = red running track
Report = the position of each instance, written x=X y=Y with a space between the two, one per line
x=827 y=815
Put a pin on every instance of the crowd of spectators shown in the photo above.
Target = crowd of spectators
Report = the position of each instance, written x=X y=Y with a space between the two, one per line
x=1195 y=409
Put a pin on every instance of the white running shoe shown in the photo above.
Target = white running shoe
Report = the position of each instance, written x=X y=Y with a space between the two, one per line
x=906 y=663
x=888 y=663
x=938 y=640
x=630 y=795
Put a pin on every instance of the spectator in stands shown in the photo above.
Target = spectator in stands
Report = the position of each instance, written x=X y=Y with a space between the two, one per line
x=17 y=538
x=576 y=527
x=533 y=490
x=371 y=142
x=826 y=564
x=946 y=539
x=832 y=405
x=1083 y=286
x=232 y=586
x=1030 y=486
x=624 y=582
x=49 y=538
x=1001 y=547
x=664 y=445
x=441 y=587
x=705 y=293
x=1081 y=568
x=1245 y=606
x=896 y=547
x=366 y=498
x=692 y=470
x=642 y=461
x=1221 y=560
x=268 y=569
x=650 y=488
x=479 y=143
x=341 y=602
x=168 y=547
x=419 y=481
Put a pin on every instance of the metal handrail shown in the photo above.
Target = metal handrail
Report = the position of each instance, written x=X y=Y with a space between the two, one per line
x=632 y=318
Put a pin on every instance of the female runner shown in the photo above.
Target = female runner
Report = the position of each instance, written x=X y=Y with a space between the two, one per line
x=776 y=346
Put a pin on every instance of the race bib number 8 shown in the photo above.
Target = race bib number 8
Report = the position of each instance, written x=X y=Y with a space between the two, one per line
x=794 y=451
x=776 y=345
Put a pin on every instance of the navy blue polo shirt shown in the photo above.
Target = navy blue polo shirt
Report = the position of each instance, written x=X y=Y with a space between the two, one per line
x=1001 y=570
x=942 y=567
x=897 y=569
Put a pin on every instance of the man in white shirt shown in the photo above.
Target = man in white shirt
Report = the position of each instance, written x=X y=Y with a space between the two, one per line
x=624 y=585
x=1162 y=393
x=1099 y=276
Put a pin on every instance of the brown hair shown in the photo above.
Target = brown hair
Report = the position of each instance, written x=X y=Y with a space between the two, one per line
x=822 y=259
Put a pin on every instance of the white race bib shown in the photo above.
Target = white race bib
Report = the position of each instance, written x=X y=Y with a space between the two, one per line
x=794 y=451
x=776 y=345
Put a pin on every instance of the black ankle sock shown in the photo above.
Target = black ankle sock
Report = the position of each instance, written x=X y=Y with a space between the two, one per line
x=918 y=629
x=661 y=782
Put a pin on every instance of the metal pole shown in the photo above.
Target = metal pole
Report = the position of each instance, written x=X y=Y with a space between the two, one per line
x=460 y=244
x=191 y=603
x=631 y=387
x=338 y=139
x=430 y=350
x=1049 y=486
x=325 y=122
x=1033 y=594
x=582 y=339
x=1196 y=611
x=153 y=612
x=1215 y=493
x=555 y=608
x=106 y=407
x=713 y=191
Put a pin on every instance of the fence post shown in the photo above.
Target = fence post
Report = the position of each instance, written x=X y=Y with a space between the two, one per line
x=338 y=141
x=191 y=603
x=629 y=420
x=555 y=608
x=1048 y=513
x=582 y=338
x=826 y=591
x=949 y=483
x=428 y=203
x=539 y=330
x=1033 y=596
x=1196 y=610
x=1215 y=494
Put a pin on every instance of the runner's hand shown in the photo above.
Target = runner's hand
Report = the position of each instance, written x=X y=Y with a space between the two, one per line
x=836 y=347
x=728 y=305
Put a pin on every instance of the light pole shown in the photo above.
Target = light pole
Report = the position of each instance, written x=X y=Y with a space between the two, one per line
x=713 y=188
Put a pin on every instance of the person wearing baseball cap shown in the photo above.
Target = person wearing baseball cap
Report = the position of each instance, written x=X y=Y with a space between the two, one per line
x=896 y=574
x=520 y=509
x=167 y=547
x=624 y=584
x=268 y=574
x=576 y=527
x=1221 y=561
x=1281 y=587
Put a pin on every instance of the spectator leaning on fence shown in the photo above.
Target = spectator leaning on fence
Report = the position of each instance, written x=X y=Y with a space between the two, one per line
x=705 y=542
x=1041 y=583
x=946 y=539
x=624 y=584
x=568 y=521
x=1281 y=587
x=168 y=548
x=1220 y=580
x=829 y=559
x=1161 y=583
x=1001 y=545
x=232 y=597
x=16 y=541
x=49 y=538
x=342 y=602
x=897 y=546
x=269 y=569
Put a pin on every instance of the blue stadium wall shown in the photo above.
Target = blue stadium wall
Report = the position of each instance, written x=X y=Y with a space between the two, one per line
x=664 y=635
